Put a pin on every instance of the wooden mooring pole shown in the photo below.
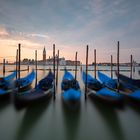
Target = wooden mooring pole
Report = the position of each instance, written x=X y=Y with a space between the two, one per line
x=36 y=68
x=16 y=64
x=57 y=68
x=28 y=68
x=111 y=66
x=3 y=67
x=95 y=63
x=131 y=65
x=86 y=71
x=54 y=67
x=76 y=66
x=19 y=57
x=118 y=68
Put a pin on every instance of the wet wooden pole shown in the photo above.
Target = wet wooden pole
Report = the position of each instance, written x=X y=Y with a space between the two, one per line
x=118 y=68
x=95 y=63
x=54 y=67
x=19 y=57
x=86 y=71
x=36 y=68
x=16 y=63
x=131 y=65
x=76 y=66
x=81 y=68
x=57 y=68
x=28 y=68
x=111 y=66
x=3 y=67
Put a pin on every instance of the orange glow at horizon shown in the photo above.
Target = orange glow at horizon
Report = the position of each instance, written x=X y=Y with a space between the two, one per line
x=8 y=49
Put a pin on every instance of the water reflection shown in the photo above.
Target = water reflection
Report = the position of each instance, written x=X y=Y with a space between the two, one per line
x=32 y=115
x=71 y=118
x=4 y=103
x=110 y=118
x=134 y=106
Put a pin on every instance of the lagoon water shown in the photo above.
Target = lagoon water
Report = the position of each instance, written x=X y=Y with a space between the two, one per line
x=53 y=120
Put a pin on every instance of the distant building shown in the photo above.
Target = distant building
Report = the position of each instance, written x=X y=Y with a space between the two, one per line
x=72 y=63
x=44 y=55
x=61 y=61
x=50 y=60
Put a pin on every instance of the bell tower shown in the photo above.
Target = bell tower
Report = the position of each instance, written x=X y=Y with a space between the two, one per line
x=44 y=54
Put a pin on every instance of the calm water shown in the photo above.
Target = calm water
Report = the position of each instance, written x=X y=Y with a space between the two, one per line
x=53 y=120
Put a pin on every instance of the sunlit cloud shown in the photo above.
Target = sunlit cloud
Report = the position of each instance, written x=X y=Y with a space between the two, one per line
x=3 y=32
x=71 y=25
x=39 y=35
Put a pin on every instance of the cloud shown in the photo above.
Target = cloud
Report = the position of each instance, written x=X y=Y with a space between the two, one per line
x=39 y=35
x=3 y=32
x=72 y=25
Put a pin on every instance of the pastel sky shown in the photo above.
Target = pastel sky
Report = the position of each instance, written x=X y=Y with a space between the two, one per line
x=71 y=25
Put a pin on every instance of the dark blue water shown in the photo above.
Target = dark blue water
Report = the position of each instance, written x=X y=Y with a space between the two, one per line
x=54 y=120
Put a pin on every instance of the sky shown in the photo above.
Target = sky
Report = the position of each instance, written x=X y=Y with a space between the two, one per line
x=71 y=25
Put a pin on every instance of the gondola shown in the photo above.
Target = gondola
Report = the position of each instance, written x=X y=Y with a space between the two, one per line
x=100 y=92
x=24 y=83
x=125 y=79
x=70 y=87
x=112 y=83
x=128 y=90
x=6 y=84
x=7 y=78
x=42 y=91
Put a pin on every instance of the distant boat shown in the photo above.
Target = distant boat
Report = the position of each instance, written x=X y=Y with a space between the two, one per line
x=6 y=84
x=98 y=91
x=126 y=89
x=70 y=87
x=42 y=91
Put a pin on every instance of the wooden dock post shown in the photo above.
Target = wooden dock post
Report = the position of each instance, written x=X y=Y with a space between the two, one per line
x=76 y=66
x=28 y=68
x=111 y=66
x=95 y=63
x=54 y=66
x=36 y=68
x=57 y=68
x=118 y=68
x=131 y=65
x=19 y=57
x=86 y=71
x=81 y=68
x=16 y=64
x=3 y=67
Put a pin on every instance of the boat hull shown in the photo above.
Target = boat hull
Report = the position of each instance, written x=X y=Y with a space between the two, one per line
x=32 y=96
